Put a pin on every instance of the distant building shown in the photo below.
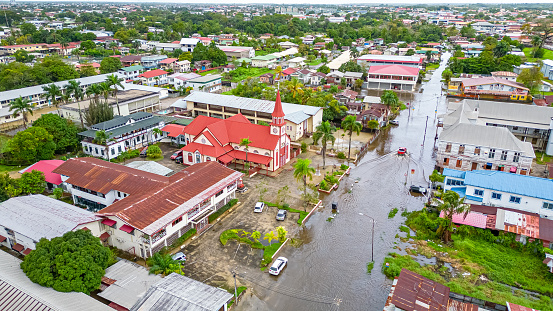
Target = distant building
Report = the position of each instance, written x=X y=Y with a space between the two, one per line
x=379 y=60
x=491 y=88
x=153 y=77
x=209 y=83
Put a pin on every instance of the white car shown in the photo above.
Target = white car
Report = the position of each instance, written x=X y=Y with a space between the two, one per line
x=258 y=207
x=394 y=122
x=180 y=256
x=278 y=265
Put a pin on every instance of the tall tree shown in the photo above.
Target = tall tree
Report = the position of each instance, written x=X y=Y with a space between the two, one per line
x=351 y=125
x=325 y=133
x=63 y=131
x=21 y=106
x=390 y=99
x=110 y=64
x=452 y=204
x=114 y=81
x=245 y=142
x=74 y=88
x=74 y=262
x=295 y=88
x=447 y=75
x=53 y=94
x=31 y=145
x=32 y=182
x=302 y=171
x=531 y=78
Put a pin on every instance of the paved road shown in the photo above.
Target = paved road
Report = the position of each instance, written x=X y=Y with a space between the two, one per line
x=331 y=264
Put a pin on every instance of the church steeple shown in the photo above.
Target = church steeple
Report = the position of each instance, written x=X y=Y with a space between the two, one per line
x=278 y=114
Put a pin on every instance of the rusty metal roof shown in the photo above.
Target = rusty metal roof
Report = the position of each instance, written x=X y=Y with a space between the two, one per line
x=417 y=293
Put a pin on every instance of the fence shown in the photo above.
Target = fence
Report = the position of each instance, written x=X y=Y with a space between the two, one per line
x=365 y=147
x=311 y=213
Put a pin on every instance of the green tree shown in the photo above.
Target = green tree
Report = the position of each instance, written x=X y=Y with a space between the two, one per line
x=325 y=133
x=164 y=264
x=110 y=64
x=23 y=56
x=390 y=99
x=31 y=145
x=501 y=49
x=302 y=171
x=351 y=125
x=32 y=182
x=281 y=234
x=154 y=152
x=87 y=70
x=447 y=75
x=373 y=124
x=295 y=87
x=531 y=78
x=53 y=94
x=21 y=106
x=74 y=88
x=63 y=131
x=245 y=142
x=256 y=235
x=6 y=182
x=114 y=81
x=74 y=262
x=358 y=84
x=324 y=69
x=58 y=193
x=436 y=177
x=269 y=237
x=410 y=52
x=452 y=204
x=351 y=66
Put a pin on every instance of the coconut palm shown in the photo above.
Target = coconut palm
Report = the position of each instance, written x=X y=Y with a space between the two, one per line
x=351 y=125
x=164 y=264
x=324 y=132
x=452 y=204
x=270 y=236
x=53 y=94
x=21 y=106
x=246 y=142
x=302 y=171
x=278 y=73
x=93 y=92
x=295 y=87
x=74 y=88
x=114 y=81
x=105 y=89
x=390 y=99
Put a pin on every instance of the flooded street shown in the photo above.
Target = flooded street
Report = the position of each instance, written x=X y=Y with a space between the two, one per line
x=329 y=270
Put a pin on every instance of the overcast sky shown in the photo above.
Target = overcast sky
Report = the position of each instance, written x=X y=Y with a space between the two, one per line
x=341 y=2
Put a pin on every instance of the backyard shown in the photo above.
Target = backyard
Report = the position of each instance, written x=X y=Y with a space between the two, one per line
x=528 y=51
x=242 y=73
x=476 y=263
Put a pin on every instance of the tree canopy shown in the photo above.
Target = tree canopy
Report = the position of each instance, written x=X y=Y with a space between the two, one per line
x=16 y=75
x=64 y=131
x=31 y=145
x=110 y=64
x=74 y=262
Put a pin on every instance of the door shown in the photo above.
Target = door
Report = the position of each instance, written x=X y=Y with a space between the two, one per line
x=474 y=166
x=198 y=158
x=190 y=158
x=459 y=163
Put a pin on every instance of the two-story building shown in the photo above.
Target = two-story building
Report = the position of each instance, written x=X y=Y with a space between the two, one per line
x=466 y=146
x=209 y=83
x=501 y=189
x=154 y=77
x=131 y=73
x=152 y=61
x=143 y=212
x=491 y=88
x=393 y=77
x=124 y=133
x=188 y=44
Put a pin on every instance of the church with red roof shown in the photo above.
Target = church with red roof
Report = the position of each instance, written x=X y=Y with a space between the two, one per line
x=213 y=139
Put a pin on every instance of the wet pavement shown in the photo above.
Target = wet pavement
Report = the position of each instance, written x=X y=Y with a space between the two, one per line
x=329 y=270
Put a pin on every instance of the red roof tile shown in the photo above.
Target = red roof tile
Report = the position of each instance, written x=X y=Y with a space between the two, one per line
x=153 y=73
x=104 y=236
x=168 y=60
x=47 y=166
x=394 y=70
x=174 y=130
x=27 y=251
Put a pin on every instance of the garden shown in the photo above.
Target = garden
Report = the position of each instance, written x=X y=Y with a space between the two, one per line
x=332 y=180
x=476 y=262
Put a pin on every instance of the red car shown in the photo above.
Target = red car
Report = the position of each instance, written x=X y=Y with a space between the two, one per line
x=402 y=151
x=176 y=155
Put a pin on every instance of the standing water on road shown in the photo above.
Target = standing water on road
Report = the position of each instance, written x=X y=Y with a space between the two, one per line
x=329 y=270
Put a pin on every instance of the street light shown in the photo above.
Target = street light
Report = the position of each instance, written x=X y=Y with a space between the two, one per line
x=372 y=236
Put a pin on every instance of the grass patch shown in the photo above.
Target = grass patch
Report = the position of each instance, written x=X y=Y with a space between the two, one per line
x=214 y=71
x=239 y=290
x=4 y=143
x=528 y=52
x=432 y=66
x=546 y=158
x=242 y=73
x=184 y=237
x=268 y=253
x=303 y=214
x=370 y=267
x=315 y=62
x=223 y=209
x=393 y=213
x=227 y=93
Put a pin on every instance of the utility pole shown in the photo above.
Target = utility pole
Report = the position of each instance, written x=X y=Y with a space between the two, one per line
x=372 y=235
x=425 y=127
x=235 y=291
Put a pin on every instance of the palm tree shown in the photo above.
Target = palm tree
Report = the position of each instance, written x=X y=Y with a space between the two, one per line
x=105 y=89
x=295 y=87
x=351 y=125
x=53 y=93
x=164 y=264
x=324 y=132
x=246 y=142
x=270 y=236
x=390 y=99
x=21 y=106
x=64 y=44
x=114 y=81
x=302 y=171
x=93 y=92
x=74 y=88
x=452 y=204
x=278 y=73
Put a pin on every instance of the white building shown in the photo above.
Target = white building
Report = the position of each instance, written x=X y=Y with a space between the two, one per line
x=131 y=73
x=188 y=44
x=368 y=60
x=209 y=83
x=502 y=189
x=144 y=212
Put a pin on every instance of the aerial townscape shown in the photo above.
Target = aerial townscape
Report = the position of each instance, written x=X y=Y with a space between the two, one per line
x=169 y=156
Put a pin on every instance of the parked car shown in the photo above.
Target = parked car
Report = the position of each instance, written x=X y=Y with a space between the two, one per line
x=418 y=189
x=176 y=155
x=180 y=256
x=178 y=160
x=402 y=151
x=394 y=122
x=258 y=207
x=281 y=214
x=278 y=265
x=144 y=152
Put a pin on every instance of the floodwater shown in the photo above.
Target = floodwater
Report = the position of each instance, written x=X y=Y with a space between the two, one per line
x=328 y=271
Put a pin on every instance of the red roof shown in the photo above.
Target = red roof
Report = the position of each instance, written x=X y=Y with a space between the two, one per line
x=233 y=129
x=513 y=307
x=168 y=60
x=394 y=70
x=47 y=166
x=198 y=125
x=2 y=238
x=277 y=112
x=472 y=219
x=153 y=73
x=27 y=251
x=252 y=157
x=289 y=71
x=127 y=228
x=174 y=130
x=108 y=222
x=104 y=236
x=18 y=247
x=95 y=65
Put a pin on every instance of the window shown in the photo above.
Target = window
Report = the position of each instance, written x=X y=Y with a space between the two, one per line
x=477 y=150
x=219 y=193
x=459 y=163
x=503 y=155
x=461 y=149
x=496 y=196
x=118 y=193
x=478 y=192
x=112 y=151
x=448 y=148
x=514 y=199
x=548 y=205
x=516 y=157
x=177 y=221
x=491 y=155
x=119 y=149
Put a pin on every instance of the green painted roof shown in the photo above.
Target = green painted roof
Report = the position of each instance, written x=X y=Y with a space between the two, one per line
x=265 y=57
x=133 y=68
x=184 y=121
x=146 y=123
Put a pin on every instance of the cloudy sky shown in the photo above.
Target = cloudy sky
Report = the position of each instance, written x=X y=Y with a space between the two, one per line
x=344 y=2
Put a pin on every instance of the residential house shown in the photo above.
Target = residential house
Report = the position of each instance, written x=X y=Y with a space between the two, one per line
x=168 y=64
x=547 y=68
x=27 y=219
x=300 y=119
x=179 y=79
x=265 y=61
x=501 y=189
x=319 y=46
x=169 y=47
x=46 y=167
x=393 y=77
x=188 y=44
x=229 y=68
x=296 y=62
x=351 y=77
x=334 y=77
x=219 y=140
x=202 y=65
x=266 y=78
x=378 y=60
x=144 y=212
x=346 y=96
x=237 y=52
x=176 y=133
x=466 y=146
x=529 y=123
x=124 y=133
x=287 y=74
x=131 y=73
x=507 y=75
x=181 y=66
x=209 y=83
x=379 y=41
x=131 y=60
x=378 y=112
x=152 y=61
x=287 y=45
x=317 y=78
x=309 y=39
x=153 y=77
x=177 y=292
x=491 y=88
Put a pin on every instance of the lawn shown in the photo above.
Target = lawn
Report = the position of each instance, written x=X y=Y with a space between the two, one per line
x=547 y=55
x=214 y=71
x=242 y=73
x=3 y=143
x=315 y=62
x=546 y=158
x=477 y=255
x=432 y=66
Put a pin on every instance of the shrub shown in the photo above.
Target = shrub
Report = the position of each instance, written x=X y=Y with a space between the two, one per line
x=303 y=147
x=393 y=212
x=330 y=179
x=340 y=155
x=323 y=185
x=344 y=167
x=223 y=209
x=154 y=151
x=184 y=237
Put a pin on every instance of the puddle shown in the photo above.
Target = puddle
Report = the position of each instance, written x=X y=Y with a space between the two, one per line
x=443 y=268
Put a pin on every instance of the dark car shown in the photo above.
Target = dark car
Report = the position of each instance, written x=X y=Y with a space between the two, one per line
x=144 y=152
x=418 y=189
x=178 y=160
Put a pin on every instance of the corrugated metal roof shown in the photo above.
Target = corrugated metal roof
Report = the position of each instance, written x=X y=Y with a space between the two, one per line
x=177 y=292
x=511 y=183
x=131 y=282
x=150 y=167
x=38 y=216
x=415 y=292
x=18 y=293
